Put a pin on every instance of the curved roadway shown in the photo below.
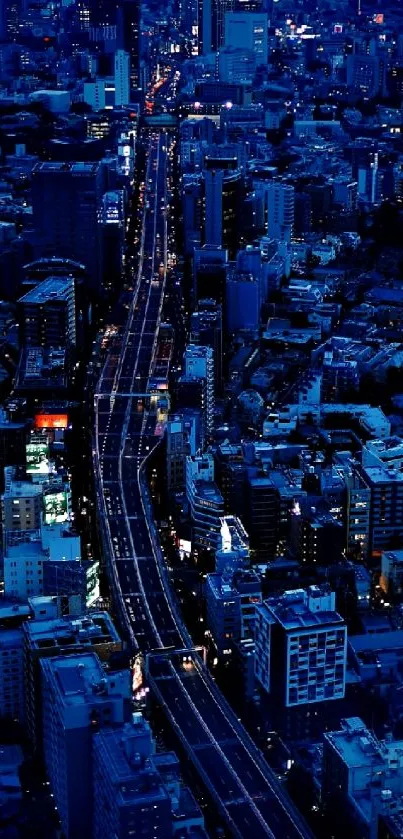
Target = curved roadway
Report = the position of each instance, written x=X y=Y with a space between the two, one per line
x=244 y=788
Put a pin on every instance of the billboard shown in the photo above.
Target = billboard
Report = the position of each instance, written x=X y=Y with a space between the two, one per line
x=56 y=507
x=137 y=673
x=51 y=421
x=92 y=582
x=37 y=455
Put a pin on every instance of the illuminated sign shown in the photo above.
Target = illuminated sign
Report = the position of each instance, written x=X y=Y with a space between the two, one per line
x=92 y=578
x=185 y=548
x=137 y=673
x=379 y=18
x=56 y=507
x=37 y=458
x=51 y=421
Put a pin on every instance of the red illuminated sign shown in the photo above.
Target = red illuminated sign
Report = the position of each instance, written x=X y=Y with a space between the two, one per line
x=51 y=421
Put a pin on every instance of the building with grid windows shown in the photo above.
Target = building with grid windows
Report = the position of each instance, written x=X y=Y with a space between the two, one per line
x=301 y=644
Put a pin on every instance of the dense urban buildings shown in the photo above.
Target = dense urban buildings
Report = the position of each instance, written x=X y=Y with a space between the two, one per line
x=201 y=419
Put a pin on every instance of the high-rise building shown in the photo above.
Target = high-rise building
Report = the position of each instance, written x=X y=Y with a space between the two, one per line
x=129 y=36
x=385 y=483
x=191 y=394
x=113 y=231
x=211 y=23
x=55 y=636
x=205 y=501
x=231 y=472
x=223 y=192
x=301 y=647
x=11 y=674
x=280 y=211
x=231 y=605
x=130 y=795
x=357 y=768
x=261 y=513
x=66 y=202
x=122 y=78
x=242 y=301
x=22 y=507
x=47 y=314
x=248 y=30
x=182 y=439
x=206 y=329
x=233 y=548
x=198 y=363
x=79 y=699
x=367 y=74
x=210 y=269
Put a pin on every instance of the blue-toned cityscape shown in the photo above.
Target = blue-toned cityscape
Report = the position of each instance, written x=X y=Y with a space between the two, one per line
x=201 y=419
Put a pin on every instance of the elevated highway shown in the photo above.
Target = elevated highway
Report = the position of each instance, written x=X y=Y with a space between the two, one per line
x=127 y=430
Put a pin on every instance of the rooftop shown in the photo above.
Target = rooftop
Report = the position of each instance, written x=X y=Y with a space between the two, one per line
x=77 y=677
x=76 y=168
x=54 y=288
x=62 y=632
x=304 y=609
x=355 y=744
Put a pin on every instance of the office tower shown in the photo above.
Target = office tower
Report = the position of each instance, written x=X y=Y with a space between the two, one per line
x=11 y=674
x=280 y=211
x=247 y=30
x=23 y=570
x=391 y=580
x=358 y=768
x=79 y=698
x=206 y=329
x=345 y=193
x=46 y=637
x=122 y=78
x=182 y=439
x=198 y=363
x=233 y=547
x=385 y=483
x=205 y=26
x=210 y=268
x=369 y=181
x=102 y=13
x=231 y=601
x=21 y=507
x=129 y=792
x=211 y=23
x=191 y=393
x=113 y=231
x=193 y=211
x=367 y=74
x=47 y=314
x=321 y=538
x=261 y=513
x=223 y=193
x=13 y=435
x=231 y=471
x=129 y=36
x=242 y=301
x=256 y=261
x=301 y=647
x=302 y=214
x=66 y=201
x=94 y=94
x=236 y=65
x=72 y=581
x=205 y=501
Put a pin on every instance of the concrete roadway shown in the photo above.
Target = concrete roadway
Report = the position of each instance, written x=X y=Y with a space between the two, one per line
x=245 y=789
